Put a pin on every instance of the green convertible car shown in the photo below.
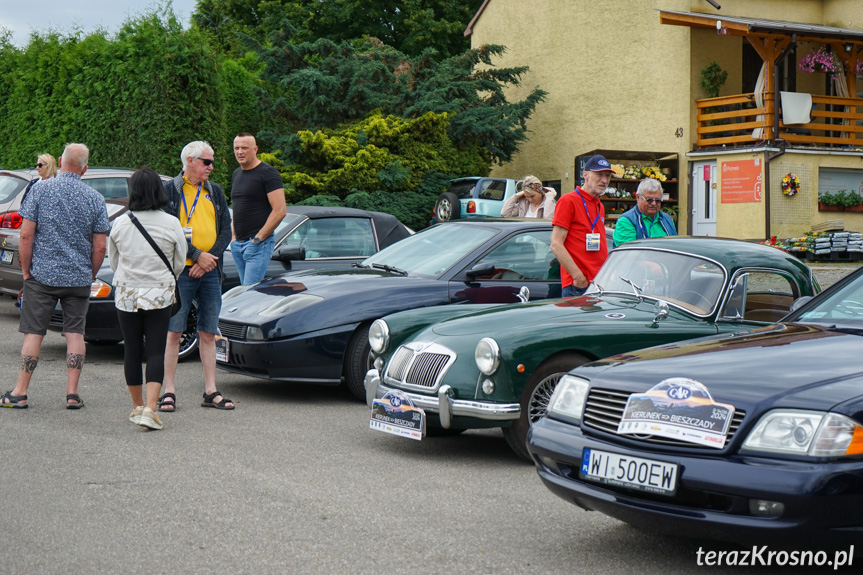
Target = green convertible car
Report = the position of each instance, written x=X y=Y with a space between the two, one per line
x=480 y=366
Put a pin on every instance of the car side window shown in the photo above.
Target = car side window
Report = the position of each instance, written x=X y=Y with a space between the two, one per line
x=110 y=188
x=334 y=238
x=525 y=256
x=760 y=296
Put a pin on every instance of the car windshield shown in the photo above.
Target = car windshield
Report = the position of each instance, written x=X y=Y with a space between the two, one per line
x=433 y=251
x=686 y=281
x=843 y=308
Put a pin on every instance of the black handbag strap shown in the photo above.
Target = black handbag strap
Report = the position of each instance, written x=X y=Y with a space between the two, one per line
x=151 y=241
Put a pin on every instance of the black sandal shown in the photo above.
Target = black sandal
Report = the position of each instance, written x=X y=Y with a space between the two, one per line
x=208 y=401
x=77 y=398
x=166 y=401
x=13 y=401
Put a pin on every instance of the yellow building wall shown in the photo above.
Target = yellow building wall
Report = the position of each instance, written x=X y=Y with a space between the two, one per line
x=613 y=75
x=619 y=80
x=790 y=216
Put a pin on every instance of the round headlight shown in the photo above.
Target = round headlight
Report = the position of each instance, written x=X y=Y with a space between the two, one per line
x=379 y=336
x=487 y=355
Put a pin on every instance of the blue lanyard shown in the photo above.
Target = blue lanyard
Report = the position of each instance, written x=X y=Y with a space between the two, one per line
x=194 y=204
x=587 y=213
x=640 y=220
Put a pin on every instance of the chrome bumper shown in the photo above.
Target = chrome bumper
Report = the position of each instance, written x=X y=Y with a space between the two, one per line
x=443 y=404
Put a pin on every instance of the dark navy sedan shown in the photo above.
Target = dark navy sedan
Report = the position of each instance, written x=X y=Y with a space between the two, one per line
x=312 y=327
x=755 y=437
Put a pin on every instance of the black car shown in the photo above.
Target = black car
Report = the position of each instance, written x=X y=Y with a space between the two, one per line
x=308 y=237
x=755 y=437
x=312 y=327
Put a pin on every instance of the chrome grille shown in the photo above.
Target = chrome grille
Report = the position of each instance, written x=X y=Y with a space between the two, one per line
x=419 y=365
x=232 y=330
x=604 y=409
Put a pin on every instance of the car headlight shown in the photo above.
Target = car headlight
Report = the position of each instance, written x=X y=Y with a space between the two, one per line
x=289 y=304
x=254 y=333
x=812 y=433
x=569 y=397
x=100 y=289
x=379 y=336
x=234 y=292
x=487 y=355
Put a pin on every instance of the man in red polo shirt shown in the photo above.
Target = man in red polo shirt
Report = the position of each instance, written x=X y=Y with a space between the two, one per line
x=578 y=235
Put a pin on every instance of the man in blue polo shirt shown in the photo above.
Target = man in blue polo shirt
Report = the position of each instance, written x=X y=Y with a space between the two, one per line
x=644 y=220
x=62 y=245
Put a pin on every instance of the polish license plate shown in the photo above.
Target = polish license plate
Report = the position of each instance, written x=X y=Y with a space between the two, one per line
x=6 y=256
x=222 y=347
x=629 y=472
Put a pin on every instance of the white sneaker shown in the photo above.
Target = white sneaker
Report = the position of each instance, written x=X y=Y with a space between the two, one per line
x=135 y=416
x=150 y=419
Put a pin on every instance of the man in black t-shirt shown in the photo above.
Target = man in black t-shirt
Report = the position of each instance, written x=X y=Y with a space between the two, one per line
x=258 y=201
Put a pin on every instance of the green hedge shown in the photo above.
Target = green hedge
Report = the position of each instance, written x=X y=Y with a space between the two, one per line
x=135 y=99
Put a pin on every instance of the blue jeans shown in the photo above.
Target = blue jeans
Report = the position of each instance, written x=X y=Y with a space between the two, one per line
x=572 y=291
x=252 y=260
x=207 y=292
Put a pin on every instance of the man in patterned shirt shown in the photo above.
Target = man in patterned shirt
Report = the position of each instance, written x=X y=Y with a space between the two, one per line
x=62 y=245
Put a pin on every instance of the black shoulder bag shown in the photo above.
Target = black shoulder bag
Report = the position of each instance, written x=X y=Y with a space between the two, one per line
x=177 y=301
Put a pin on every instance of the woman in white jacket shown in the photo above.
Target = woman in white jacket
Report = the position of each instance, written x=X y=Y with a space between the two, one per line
x=144 y=288
x=532 y=201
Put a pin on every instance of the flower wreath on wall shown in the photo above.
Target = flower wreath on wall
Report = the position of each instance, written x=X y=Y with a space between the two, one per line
x=790 y=185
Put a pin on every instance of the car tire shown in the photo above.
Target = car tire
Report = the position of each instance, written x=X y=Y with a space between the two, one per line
x=358 y=361
x=447 y=207
x=189 y=338
x=535 y=397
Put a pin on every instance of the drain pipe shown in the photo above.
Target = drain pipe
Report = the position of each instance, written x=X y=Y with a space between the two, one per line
x=781 y=143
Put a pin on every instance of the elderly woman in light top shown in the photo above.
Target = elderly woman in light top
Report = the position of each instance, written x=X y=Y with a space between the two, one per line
x=532 y=201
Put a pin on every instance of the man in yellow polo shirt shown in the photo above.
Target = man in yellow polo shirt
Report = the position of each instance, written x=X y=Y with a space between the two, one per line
x=201 y=207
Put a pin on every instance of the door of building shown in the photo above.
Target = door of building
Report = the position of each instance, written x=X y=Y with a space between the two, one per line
x=704 y=198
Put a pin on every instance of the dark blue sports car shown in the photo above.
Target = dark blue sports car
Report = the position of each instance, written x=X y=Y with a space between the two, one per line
x=755 y=437
x=312 y=327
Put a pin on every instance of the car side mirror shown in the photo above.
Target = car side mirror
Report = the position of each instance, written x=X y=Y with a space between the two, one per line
x=660 y=311
x=479 y=270
x=800 y=302
x=289 y=254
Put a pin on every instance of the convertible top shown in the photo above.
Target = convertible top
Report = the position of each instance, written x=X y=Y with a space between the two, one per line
x=389 y=229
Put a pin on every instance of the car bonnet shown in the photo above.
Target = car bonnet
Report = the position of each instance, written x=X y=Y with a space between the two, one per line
x=533 y=316
x=795 y=366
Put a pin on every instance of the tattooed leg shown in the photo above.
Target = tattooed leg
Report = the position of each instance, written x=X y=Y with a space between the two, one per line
x=75 y=361
x=28 y=363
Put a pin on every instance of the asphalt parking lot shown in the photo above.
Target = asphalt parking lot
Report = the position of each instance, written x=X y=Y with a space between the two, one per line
x=292 y=481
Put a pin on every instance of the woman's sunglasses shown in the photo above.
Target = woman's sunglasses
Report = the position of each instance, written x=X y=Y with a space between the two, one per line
x=41 y=165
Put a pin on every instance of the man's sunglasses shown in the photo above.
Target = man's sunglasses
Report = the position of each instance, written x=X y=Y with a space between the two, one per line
x=41 y=165
x=205 y=161
x=652 y=200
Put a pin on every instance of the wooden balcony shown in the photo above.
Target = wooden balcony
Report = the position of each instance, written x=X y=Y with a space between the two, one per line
x=735 y=121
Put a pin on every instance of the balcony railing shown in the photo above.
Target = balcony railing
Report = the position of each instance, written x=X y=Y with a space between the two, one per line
x=731 y=121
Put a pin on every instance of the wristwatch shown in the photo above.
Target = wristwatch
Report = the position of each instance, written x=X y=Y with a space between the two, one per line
x=256 y=241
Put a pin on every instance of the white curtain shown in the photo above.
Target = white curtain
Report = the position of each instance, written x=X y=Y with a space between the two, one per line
x=758 y=133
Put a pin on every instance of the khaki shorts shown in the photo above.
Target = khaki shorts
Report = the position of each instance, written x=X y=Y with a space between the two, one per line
x=39 y=300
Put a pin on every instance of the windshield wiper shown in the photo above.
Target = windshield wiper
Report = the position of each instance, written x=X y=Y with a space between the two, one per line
x=359 y=265
x=848 y=330
x=635 y=288
x=390 y=269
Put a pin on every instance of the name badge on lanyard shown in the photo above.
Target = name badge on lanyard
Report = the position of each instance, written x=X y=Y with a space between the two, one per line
x=592 y=240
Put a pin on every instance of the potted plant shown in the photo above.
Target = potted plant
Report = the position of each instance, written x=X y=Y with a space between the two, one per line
x=672 y=211
x=840 y=201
